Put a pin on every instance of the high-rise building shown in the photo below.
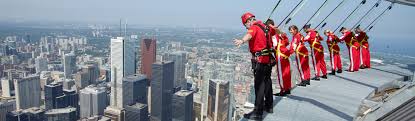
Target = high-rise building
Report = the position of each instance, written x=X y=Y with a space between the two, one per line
x=148 y=56
x=45 y=78
x=52 y=91
x=114 y=113
x=69 y=98
x=162 y=91
x=82 y=79
x=137 y=83
x=87 y=76
x=7 y=88
x=183 y=105
x=69 y=64
x=197 y=110
x=61 y=114
x=218 y=100
x=122 y=64
x=136 y=112
x=27 y=92
x=30 y=114
x=209 y=72
x=6 y=106
x=93 y=101
x=93 y=71
x=56 y=97
x=179 y=59
x=68 y=84
x=41 y=64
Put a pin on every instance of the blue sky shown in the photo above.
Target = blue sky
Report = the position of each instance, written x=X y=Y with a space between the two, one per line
x=201 y=13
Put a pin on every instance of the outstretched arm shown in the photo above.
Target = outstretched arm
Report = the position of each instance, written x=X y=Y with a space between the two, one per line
x=239 y=42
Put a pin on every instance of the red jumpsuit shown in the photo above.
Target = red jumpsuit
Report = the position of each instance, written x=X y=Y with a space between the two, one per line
x=283 y=53
x=301 y=52
x=335 y=59
x=313 y=38
x=364 y=49
x=354 y=50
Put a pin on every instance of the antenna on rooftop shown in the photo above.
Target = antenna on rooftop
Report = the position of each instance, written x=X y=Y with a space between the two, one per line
x=120 y=27
x=125 y=28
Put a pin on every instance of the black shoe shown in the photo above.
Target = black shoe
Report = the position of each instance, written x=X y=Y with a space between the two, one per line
x=288 y=92
x=269 y=110
x=339 y=71
x=302 y=83
x=333 y=72
x=282 y=94
x=316 y=78
x=362 y=67
x=324 y=76
x=307 y=82
x=254 y=115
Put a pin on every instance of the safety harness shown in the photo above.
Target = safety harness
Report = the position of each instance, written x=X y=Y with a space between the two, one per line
x=315 y=42
x=267 y=51
x=278 y=51
x=364 y=40
x=299 y=46
x=352 y=41
x=332 y=44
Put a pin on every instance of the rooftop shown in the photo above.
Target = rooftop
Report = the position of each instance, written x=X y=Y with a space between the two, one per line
x=183 y=92
x=344 y=97
x=61 y=110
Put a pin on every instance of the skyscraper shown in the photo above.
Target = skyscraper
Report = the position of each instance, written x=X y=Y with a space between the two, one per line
x=57 y=97
x=148 y=56
x=61 y=114
x=183 y=105
x=93 y=71
x=114 y=113
x=122 y=64
x=6 y=87
x=87 y=76
x=69 y=64
x=30 y=114
x=136 y=112
x=69 y=98
x=82 y=79
x=52 y=91
x=27 y=92
x=179 y=59
x=93 y=101
x=197 y=110
x=218 y=100
x=137 y=83
x=6 y=106
x=162 y=91
x=41 y=64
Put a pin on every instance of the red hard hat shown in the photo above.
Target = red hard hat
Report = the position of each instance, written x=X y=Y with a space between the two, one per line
x=246 y=16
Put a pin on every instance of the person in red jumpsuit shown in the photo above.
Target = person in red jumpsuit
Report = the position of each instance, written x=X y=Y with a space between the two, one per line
x=259 y=43
x=334 y=50
x=282 y=55
x=317 y=50
x=301 y=53
x=354 y=48
x=362 y=38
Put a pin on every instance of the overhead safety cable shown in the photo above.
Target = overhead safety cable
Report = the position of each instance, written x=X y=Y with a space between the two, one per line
x=367 y=13
x=315 y=13
x=370 y=26
x=357 y=7
x=341 y=3
x=302 y=2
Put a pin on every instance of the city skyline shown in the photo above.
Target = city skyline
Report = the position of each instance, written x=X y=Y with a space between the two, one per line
x=177 y=61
